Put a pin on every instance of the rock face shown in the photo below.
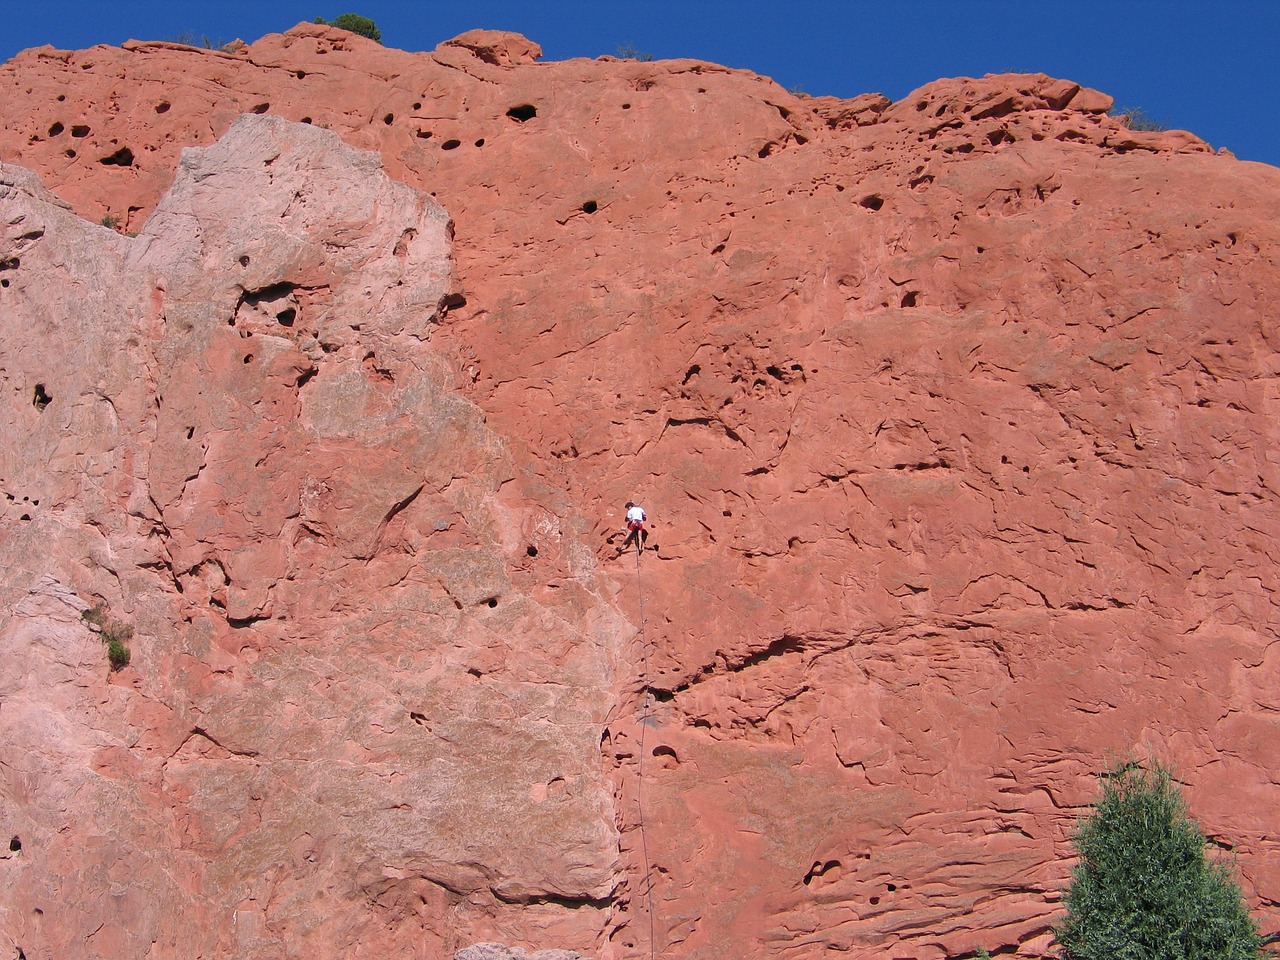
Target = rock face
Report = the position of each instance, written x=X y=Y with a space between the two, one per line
x=251 y=454
x=956 y=418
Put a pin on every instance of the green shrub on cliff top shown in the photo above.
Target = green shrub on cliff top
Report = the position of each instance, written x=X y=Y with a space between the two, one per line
x=1143 y=889
x=627 y=51
x=1135 y=118
x=356 y=24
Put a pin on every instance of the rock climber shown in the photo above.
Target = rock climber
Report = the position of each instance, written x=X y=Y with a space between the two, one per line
x=636 y=533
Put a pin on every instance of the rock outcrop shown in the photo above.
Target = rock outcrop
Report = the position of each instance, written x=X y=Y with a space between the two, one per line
x=251 y=454
x=955 y=416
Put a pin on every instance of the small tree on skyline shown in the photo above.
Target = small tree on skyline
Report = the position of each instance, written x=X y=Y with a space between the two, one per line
x=356 y=24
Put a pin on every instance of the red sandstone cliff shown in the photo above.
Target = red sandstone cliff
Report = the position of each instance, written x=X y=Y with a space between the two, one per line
x=956 y=418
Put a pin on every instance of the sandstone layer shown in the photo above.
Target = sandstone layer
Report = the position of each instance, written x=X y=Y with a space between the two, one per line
x=955 y=416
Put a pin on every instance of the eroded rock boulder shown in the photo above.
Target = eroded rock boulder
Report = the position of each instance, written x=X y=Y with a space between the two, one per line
x=499 y=47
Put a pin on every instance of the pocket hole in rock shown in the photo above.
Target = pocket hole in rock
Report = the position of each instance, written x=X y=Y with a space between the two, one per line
x=667 y=755
x=121 y=158
x=818 y=869
x=451 y=301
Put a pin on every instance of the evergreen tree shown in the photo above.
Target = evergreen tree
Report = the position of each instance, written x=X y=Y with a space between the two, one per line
x=1143 y=889
x=356 y=24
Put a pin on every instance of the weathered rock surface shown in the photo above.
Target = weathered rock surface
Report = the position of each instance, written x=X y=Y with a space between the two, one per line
x=956 y=416
x=343 y=681
x=496 y=951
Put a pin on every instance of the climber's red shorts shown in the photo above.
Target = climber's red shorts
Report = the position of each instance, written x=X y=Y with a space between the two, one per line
x=635 y=525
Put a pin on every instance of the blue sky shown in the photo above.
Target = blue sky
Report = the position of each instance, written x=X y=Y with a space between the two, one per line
x=1208 y=66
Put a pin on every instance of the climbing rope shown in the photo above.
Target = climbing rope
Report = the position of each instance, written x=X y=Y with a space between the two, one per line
x=644 y=720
